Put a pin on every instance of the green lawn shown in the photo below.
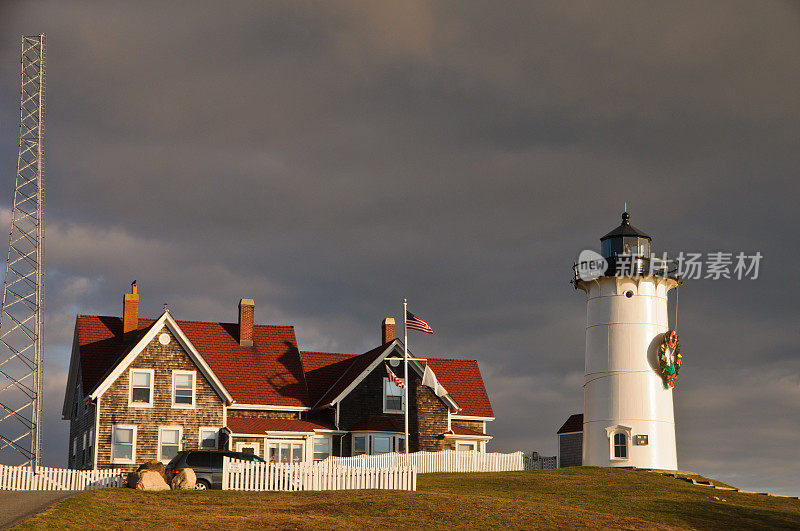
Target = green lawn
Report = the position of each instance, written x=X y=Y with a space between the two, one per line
x=572 y=497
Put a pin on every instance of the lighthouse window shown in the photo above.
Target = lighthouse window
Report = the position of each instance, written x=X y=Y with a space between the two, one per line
x=620 y=446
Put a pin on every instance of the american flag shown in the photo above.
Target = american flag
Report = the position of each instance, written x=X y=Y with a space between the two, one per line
x=415 y=323
x=393 y=377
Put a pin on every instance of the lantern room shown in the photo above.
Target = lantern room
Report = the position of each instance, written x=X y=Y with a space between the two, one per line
x=626 y=240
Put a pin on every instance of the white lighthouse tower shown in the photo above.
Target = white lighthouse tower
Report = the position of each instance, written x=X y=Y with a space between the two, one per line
x=628 y=416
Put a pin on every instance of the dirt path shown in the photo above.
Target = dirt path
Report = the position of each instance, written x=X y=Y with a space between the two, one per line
x=18 y=506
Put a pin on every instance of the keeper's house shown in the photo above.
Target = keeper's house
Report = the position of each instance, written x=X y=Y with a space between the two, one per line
x=143 y=389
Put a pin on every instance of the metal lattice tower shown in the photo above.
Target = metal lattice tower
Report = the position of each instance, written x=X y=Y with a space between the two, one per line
x=22 y=316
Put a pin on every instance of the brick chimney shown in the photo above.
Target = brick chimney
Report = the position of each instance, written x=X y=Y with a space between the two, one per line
x=387 y=330
x=246 y=318
x=130 y=310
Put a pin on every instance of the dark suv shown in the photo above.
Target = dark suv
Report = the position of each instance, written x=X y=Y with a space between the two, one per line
x=207 y=465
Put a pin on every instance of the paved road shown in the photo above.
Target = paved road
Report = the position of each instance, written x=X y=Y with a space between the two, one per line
x=17 y=506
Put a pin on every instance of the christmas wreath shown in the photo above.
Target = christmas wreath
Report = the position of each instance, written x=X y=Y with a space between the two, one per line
x=669 y=365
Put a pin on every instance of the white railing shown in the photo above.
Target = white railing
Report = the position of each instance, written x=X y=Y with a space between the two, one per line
x=247 y=475
x=444 y=461
x=46 y=478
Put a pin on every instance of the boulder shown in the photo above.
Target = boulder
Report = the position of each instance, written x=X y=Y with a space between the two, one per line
x=184 y=480
x=151 y=480
x=156 y=466
x=133 y=479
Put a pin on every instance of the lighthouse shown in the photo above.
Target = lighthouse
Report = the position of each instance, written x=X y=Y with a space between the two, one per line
x=631 y=355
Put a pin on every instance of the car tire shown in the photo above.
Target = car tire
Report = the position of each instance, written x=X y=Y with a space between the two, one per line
x=201 y=485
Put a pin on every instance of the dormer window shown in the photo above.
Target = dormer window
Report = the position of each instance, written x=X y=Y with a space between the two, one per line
x=141 y=388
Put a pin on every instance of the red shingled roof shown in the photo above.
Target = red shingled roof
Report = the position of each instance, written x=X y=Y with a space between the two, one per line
x=323 y=369
x=377 y=423
x=270 y=372
x=464 y=383
x=573 y=424
x=461 y=430
x=358 y=365
x=259 y=426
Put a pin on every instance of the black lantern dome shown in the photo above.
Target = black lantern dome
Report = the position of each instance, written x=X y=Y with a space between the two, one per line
x=626 y=240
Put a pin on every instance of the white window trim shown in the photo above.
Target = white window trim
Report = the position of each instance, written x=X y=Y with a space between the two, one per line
x=180 y=441
x=131 y=403
x=369 y=445
x=306 y=444
x=254 y=445
x=613 y=430
x=200 y=431
x=402 y=397
x=474 y=444
x=116 y=460
x=330 y=445
x=194 y=390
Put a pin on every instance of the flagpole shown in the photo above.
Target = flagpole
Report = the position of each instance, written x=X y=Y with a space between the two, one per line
x=405 y=372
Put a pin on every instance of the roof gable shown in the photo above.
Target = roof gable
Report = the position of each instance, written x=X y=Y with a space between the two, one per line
x=145 y=336
x=464 y=383
x=268 y=373
x=573 y=424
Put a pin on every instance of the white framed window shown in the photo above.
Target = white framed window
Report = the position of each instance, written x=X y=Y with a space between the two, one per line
x=322 y=447
x=183 y=387
x=620 y=445
x=248 y=447
x=208 y=438
x=392 y=397
x=466 y=446
x=285 y=451
x=377 y=443
x=359 y=445
x=123 y=444
x=381 y=444
x=619 y=439
x=141 y=392
x=169 y=442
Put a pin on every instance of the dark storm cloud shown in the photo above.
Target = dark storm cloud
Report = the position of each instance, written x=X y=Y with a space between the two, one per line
x=329 y=159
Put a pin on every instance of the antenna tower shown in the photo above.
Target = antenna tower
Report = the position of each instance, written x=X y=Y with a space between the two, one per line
x=22 y=315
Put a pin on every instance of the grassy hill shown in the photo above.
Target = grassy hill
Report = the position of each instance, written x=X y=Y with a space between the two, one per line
x=572 y=497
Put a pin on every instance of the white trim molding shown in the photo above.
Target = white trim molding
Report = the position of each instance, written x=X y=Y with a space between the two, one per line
x=468 y=437
x=611 y=431
x=471 y=417
x=413 y=363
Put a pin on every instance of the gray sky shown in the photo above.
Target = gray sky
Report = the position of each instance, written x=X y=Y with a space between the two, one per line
x=329 y=159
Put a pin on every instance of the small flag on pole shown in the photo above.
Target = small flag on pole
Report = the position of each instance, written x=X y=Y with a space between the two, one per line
x=394 y=379
x=415 y=323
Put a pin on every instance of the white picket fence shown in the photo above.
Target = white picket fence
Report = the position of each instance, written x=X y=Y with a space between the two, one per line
x=246 y=475
x=46 y=478
x=444 y=461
